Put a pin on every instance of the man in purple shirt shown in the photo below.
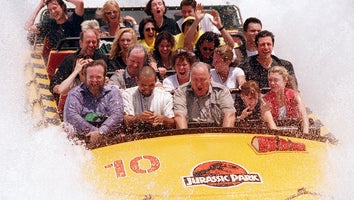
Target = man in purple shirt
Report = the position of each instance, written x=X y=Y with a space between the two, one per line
x=94 y=109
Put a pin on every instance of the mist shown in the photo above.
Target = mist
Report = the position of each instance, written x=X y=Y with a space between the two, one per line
x=316 y=36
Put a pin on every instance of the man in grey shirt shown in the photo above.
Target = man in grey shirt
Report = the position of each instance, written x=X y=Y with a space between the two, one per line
x=202 y=100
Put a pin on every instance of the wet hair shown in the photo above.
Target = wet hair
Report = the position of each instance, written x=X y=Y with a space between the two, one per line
x=148 y=7
x=142 y=24
x=116 y=50
x=61 y=3
x=93 y=63
x=251 y=20
x=192 y=3
x=106 y=6
x=225 y=52
x=250 y=88
x=209 y=37
x=262 y=34
x=290 y=82
x=183 y=54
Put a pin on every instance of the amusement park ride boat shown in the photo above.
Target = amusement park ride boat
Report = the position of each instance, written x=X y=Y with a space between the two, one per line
x=201 y=162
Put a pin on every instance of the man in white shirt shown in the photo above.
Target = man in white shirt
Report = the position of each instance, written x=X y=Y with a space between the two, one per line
x=146 y=105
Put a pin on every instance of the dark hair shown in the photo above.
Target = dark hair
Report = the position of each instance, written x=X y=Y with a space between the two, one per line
x=251 y=20
x=242 y=47
x=209 y=37
x=192 y=3
x=93 y=63
x=142 y=24
x=262 y=34
x=188 y=23
x=146 y=69
x=184 y=55
x=60 y=2
x=164 y=35
x=148 y=7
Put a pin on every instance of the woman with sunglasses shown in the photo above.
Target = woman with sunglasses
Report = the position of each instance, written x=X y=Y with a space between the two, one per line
x=147 y=32
x=111 y=16
x=61 y=24
x=205 y=47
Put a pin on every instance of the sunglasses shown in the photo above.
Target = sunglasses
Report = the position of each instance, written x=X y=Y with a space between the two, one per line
x=207 y=49
x=110 y=12
x=149 y=29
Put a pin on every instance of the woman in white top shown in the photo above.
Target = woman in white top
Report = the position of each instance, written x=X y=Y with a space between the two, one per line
x=182 y=61
x=231 y=77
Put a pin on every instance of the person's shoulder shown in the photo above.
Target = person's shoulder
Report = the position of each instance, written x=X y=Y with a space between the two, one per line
x=280 y=61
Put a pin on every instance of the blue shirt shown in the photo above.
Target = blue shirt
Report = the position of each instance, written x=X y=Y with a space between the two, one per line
x=80 y=102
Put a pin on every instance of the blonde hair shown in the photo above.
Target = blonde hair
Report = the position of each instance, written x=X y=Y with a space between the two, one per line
x=90 y=24
x=290 y=82
x=225 y=52
x=116 y=50
x=105 y=7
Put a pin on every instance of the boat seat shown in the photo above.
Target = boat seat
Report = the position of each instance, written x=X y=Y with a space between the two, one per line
x=54 y=60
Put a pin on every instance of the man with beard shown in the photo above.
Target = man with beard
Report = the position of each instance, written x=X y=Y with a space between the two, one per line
x=93 y=109
x=89 y=41
x=147 y=107
x=256 y=67
x=202 y=100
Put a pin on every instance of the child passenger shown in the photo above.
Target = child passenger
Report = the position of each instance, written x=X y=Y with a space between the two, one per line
x=251 y=106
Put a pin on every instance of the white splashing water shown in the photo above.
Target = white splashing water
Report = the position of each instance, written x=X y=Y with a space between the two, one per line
x=34 y=164
x=315 y=35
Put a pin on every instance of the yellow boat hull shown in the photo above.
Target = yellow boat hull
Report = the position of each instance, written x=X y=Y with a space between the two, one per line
x=162 y=168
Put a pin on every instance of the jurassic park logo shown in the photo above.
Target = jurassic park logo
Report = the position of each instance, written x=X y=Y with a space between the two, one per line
x=220 y=174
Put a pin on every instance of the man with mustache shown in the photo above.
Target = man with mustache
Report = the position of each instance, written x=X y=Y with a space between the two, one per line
x=202 y=100
x=94 y=109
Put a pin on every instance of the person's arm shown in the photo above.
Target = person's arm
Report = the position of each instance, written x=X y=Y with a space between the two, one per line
x=229 y=119
x=180 y=120
x=79 y=7
x=114 y=111
x=29 y=25
x=226 y=35
x=240 y=80
x=190 y=35
x=66 y=85
x=303 y=113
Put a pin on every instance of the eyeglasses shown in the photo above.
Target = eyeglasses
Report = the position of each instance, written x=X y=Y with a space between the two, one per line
x=110 y=12
x=207 y=49
x=149 y=29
